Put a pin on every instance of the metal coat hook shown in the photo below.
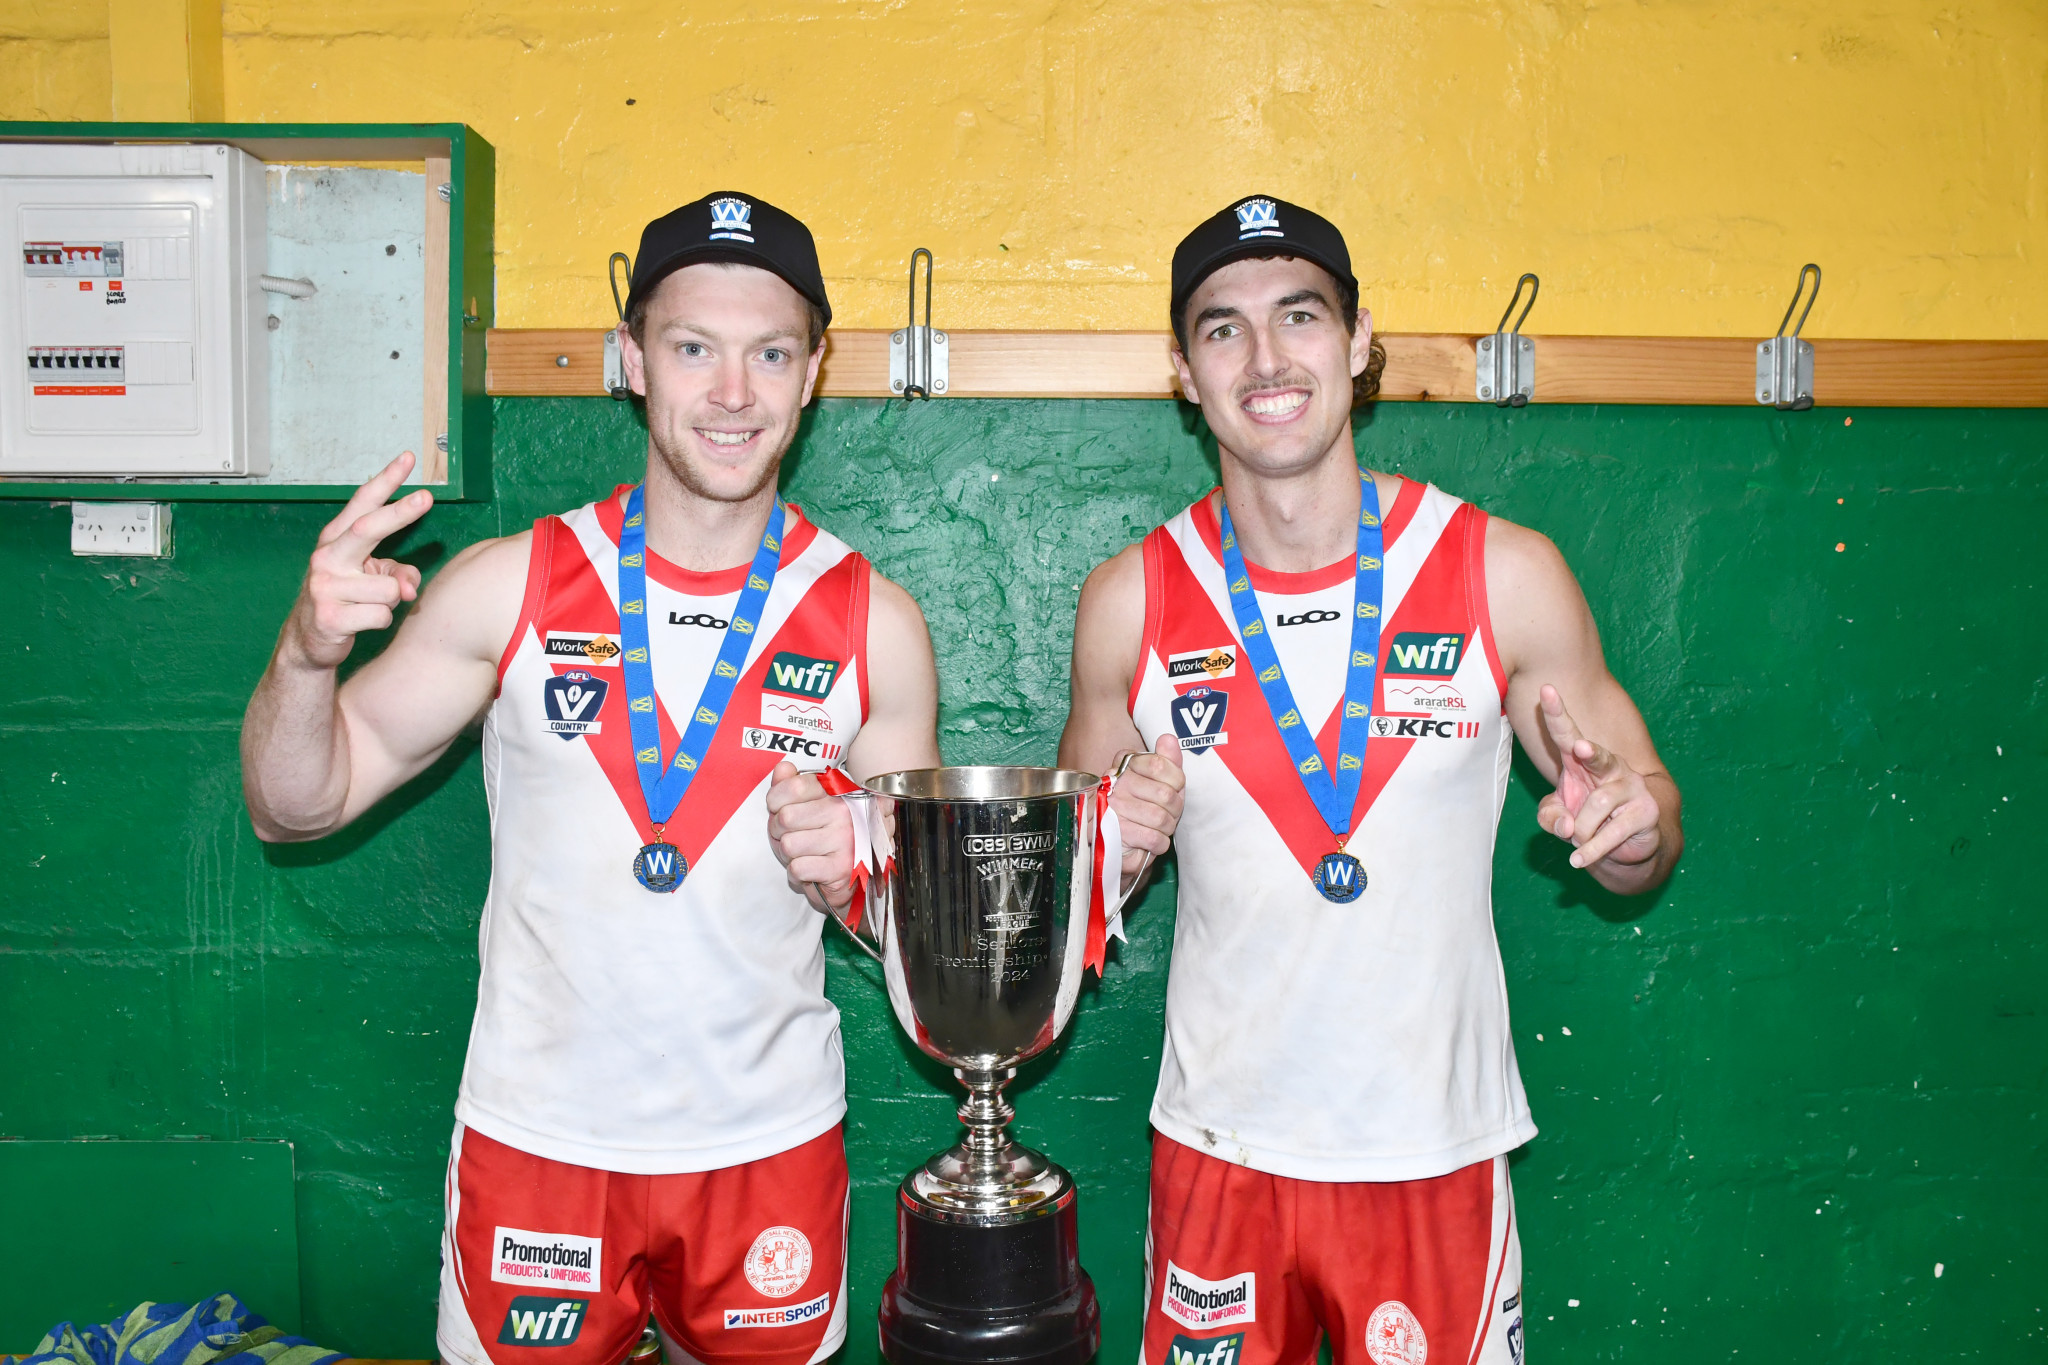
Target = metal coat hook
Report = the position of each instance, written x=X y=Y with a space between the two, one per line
x=918 y=355
x=1506 y=361
x=1784 y=364
x=614 y=365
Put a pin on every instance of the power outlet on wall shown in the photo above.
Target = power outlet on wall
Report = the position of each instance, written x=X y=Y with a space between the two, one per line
x=135 y=529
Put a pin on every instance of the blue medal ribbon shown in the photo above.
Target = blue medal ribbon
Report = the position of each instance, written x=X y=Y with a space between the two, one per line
x=1338 y=877
x=659 y=867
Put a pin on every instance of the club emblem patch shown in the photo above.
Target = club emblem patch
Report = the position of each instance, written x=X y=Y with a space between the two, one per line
x=573 y=702
x=1394 y=1337
x=779 y=1262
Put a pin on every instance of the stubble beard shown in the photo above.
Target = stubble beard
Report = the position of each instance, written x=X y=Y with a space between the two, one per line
x=676 y=458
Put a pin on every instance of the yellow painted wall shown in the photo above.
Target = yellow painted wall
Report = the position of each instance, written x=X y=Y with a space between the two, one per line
x=1665 y=166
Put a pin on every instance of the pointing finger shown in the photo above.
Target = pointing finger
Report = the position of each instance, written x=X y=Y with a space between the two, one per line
x=1563 y=730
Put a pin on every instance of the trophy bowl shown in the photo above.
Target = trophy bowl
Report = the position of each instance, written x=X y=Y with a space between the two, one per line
x=981 y=909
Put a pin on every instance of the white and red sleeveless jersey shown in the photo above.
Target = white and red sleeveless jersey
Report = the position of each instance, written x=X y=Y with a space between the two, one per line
x=1361 y=1041
x=615 y=1027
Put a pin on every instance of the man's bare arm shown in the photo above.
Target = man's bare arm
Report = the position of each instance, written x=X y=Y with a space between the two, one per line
x=1614 y=799
x=812 y=832
x=1109 y=639
x=316 y=755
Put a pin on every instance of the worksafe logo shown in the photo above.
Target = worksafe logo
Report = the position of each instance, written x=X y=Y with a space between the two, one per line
x=533 y=1321
x=1258 y=218
x=1206 y=1350
x=731 y=220
x=1425 y=654
x=799 y=675
x=1196 y=1302
x=555 y=1259
x=1213 y=664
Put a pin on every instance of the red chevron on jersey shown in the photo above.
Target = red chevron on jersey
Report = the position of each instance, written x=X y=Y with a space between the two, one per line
x=577 y=597
x=1438 y=600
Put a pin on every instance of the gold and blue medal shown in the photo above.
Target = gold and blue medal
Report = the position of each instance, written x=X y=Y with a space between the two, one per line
x=659 y=865
x=1338 y=877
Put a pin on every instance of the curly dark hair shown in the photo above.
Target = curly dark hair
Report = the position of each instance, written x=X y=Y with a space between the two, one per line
x=1365 y=385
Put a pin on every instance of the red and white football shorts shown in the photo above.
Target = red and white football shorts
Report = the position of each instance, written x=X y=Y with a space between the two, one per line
x=1245 y=1268
x=545 y=1263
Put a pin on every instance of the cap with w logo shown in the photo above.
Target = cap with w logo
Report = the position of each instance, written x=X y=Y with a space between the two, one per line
x=1258 y=226
x=729 y=226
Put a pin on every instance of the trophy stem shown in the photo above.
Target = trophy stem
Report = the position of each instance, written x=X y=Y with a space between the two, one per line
x=987 y=1115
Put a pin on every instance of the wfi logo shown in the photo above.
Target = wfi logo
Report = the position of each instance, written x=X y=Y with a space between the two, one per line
x=533 y=1321
x=731 y=219
x=1258 y=218
x=1205 y=1350
x=1424 y=653
x=799 y=675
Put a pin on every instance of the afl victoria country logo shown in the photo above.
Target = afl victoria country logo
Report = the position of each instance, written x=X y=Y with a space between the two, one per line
x=779 y=1262
x=1394 y=1337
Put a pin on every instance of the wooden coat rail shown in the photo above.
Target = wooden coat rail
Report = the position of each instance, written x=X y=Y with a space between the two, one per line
x=1420 y=367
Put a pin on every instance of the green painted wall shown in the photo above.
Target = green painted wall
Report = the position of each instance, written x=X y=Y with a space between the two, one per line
x=1809 y=1071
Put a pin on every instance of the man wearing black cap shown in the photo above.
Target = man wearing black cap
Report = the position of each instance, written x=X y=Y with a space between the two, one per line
x=649 y=1117
x=1345 y=658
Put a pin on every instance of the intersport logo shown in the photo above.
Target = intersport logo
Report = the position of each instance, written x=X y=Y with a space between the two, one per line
x=1196 y=1302
x=556 y=1259
x=535 y=1321
x=787 y=1316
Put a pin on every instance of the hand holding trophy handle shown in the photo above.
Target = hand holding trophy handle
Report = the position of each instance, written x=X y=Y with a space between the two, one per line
x=865 y=874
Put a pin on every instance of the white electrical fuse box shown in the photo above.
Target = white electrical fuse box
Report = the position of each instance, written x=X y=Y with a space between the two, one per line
x=131 y=318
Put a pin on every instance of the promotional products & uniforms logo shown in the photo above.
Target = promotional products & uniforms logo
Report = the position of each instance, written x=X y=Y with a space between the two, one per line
x=1196 y=1302
x=559 y=1259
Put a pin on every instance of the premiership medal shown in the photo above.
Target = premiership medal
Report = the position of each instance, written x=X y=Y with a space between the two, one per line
x=1338 y=877
x=659 y=865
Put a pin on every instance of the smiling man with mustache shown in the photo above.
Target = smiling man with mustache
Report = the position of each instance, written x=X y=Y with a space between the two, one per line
x=1345 y=659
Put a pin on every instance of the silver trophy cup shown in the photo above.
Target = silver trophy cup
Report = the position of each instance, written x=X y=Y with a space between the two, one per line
x=979 y=896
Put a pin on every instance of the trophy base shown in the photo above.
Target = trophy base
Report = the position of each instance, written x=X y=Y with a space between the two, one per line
x=976 y=1289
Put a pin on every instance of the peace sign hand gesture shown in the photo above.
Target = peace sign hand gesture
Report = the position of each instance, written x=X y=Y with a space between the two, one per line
x=1601 y=804
x=347 y=589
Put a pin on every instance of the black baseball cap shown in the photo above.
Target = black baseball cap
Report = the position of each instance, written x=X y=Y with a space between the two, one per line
x=1257 y=226
x=729 y=226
